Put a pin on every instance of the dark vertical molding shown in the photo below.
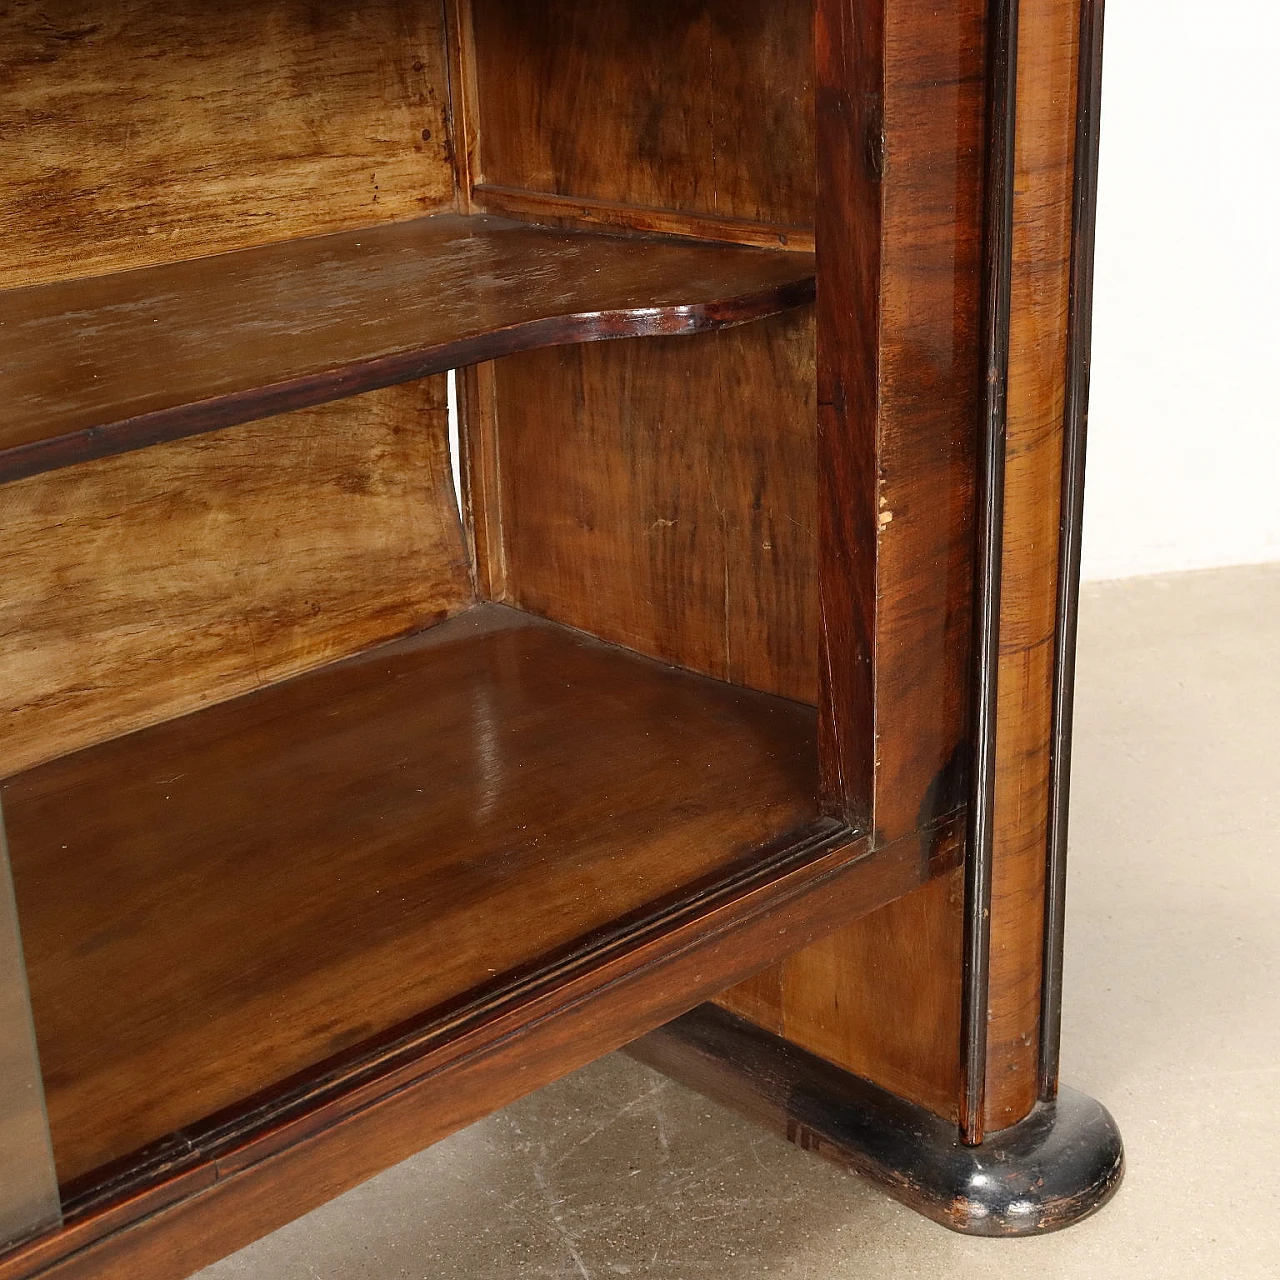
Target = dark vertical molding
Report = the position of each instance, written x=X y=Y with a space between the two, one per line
x=997 y=285
x=1075 y=432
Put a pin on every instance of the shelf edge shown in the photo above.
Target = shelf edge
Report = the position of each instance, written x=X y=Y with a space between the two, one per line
x=179 y=422
x=193 y=1213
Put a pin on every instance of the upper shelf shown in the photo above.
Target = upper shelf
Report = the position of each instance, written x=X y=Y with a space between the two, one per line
x=102 y=365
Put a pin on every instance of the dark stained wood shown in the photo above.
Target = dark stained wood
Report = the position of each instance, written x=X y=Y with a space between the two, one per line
x=137 y=132
x=143 y=587
x=702 y=108
x=588 y=214
x=850 y=113
x=931 y=397
x=221 y=1202
x=919 y=494
x=1075 y=439
x=929 y=401
x=662 y=495
x=904 y=1031
x=1048 y=62
x=102 y=365
x=453 y=869
x=1061 y=1164
x=214 y=904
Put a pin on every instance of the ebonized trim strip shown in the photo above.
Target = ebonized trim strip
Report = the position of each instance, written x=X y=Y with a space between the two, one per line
x=1075 y=433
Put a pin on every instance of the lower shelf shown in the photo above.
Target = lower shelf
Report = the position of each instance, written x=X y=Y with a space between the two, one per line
x=224 y=901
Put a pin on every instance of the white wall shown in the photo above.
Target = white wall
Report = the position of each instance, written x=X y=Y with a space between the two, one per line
x=1184 y=443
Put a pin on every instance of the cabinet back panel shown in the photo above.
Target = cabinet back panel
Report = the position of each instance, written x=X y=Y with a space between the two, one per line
x=663 y=495
x=134 y=132
x=144 y=586
x=703 y=107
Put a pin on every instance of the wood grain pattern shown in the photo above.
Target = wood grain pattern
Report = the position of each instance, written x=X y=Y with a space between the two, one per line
x=102 y=365
x=700 y=108
x=139 y=588
x=137 y=132
x=221 y=901
x=850 y=123
x=662 y=495
x=230 y=1197
x=589 y=214
x=1048 y=59
x=924 y=267
x=881 y=997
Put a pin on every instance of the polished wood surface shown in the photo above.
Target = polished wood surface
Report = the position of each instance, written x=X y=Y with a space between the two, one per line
x=662 y=495
x=703 y=108
x=142 y=587
x=1048 y=57
x=105 y=364
x=662 y=498
x=227 y=1196
x=850 y=127
x=902 y=233
x=904 y=1031
x=214 y=904
x=334 y=919
x=137 y=132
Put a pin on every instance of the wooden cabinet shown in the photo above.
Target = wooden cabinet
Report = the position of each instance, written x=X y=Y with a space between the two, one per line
x=342 y=808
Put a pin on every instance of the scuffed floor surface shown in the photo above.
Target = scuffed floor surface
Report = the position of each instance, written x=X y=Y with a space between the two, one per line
x=1172 y=1018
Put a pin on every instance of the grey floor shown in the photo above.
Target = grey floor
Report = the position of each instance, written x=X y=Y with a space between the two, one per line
x=1172 y=1018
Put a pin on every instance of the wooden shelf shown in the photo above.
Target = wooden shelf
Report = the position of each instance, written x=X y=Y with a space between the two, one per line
x=219 y=903
x=103 y=365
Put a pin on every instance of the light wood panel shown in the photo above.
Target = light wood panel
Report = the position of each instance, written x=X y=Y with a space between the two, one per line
x=662 y=495
x=703 y=108
x=1048 y=58
x=134 y=132
x=141 y=587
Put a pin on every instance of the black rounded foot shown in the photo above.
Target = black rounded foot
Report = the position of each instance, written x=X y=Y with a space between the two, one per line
x=1060 y=1164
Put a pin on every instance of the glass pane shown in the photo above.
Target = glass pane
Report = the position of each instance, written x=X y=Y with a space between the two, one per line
x=28 y=1185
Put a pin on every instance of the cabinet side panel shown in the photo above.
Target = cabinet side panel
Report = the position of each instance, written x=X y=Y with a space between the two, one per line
x=1048 y=56
x=883 y=997
x=662 y=495
x=931 y=404
x=134 y=132
x=143 y=586
x=705 y=108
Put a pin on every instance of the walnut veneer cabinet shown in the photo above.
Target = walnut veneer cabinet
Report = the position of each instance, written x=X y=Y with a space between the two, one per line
x=725 y=713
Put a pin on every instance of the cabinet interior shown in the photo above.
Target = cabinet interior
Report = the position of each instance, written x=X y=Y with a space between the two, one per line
x=298 y=762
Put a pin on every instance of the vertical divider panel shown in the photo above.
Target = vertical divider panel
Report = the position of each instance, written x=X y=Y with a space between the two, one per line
x=901 y=128
x=850 y=112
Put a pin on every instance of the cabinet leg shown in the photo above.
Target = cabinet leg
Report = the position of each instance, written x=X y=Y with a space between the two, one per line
x=1060 y=1164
